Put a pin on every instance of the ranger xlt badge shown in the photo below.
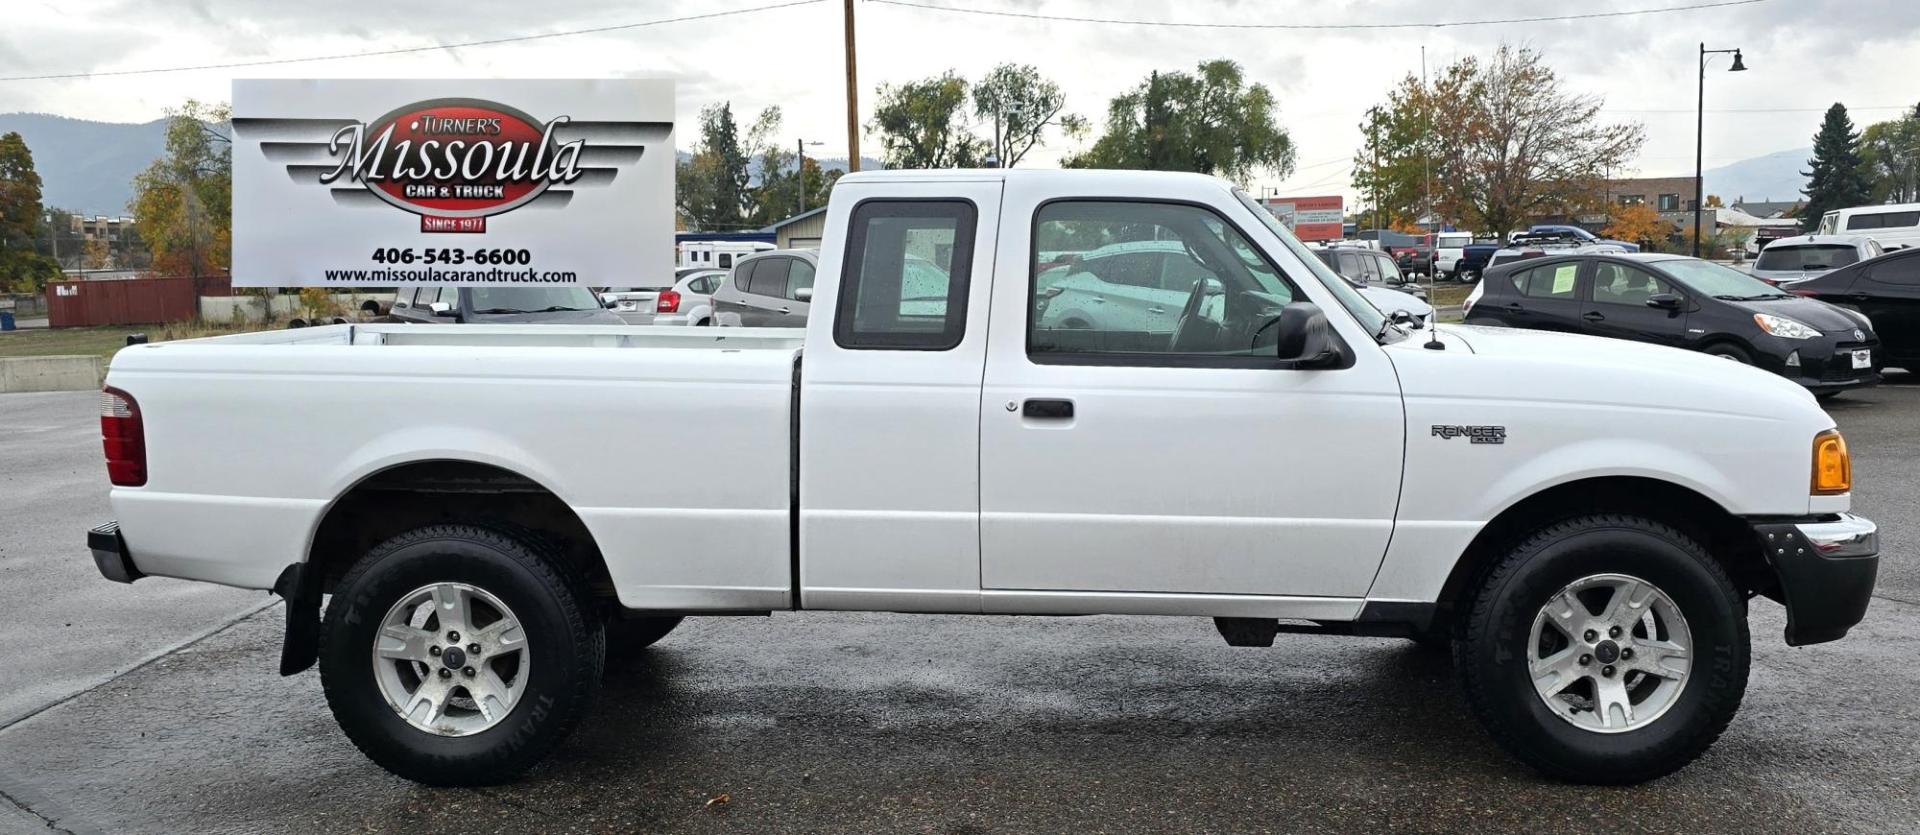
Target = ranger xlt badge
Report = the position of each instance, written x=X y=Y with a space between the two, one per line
x=1477 y=434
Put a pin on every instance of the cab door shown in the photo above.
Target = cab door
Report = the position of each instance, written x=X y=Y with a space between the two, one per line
x=1547 y=297
x=1184 y=472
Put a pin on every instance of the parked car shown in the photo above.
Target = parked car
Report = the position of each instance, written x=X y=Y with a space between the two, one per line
x=1582 y=521
x=1895 y=225
x=1448 y=247
x=1887 y=291
x=768 y=290
x=1582 y=234
x=1379 y=279
x=1537 y=244
x=688 y=302
x=1684 y=302
x=558 y=304
x=1416 y=259
x=1806 y=256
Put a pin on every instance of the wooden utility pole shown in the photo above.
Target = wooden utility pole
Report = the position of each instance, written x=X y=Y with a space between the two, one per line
x=853 y=100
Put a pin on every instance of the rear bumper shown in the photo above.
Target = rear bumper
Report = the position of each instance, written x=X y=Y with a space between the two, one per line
x=1826 y=568
x=110 y=554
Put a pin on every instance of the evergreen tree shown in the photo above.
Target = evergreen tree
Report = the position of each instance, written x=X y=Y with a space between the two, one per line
x=1838 y=179
x=21 y=268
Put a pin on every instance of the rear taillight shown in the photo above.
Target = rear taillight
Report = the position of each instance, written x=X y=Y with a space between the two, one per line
x=669 y=302
x=123 y=438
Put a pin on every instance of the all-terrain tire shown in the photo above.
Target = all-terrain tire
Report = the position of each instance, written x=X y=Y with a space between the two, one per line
x=1493 y=651
x=565 y=641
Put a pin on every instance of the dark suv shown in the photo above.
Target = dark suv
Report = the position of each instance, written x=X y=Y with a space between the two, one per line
x=1684 y=303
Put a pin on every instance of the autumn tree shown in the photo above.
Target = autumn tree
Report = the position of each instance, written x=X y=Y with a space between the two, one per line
x=1018 y=105
x=183 y=203
x=1637 y=222
x=786 y=184
x=1392 y=171
x=22 y=269
x=1511 y=143
x=923 y=124
x=1837 y=179
x=1210 y=121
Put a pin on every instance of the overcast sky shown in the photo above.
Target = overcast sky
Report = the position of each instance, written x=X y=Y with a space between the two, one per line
x=1801 y=53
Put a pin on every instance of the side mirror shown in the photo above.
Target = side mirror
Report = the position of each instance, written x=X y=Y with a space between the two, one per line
x=441 y=309
x=1664 y=301
x=1401 y=317
x=610 y=304
x=1304 y=337
x=803 y=294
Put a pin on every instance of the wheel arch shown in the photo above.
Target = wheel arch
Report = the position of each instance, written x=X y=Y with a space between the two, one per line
x=1727 y=537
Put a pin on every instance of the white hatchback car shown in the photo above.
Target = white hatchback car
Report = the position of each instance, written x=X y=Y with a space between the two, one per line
x=1807 y=256
x=688 y=302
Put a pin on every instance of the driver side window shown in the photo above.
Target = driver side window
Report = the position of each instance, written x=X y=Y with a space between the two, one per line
x=1197 y=292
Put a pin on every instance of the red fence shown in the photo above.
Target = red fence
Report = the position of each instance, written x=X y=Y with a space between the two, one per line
x=127 y=301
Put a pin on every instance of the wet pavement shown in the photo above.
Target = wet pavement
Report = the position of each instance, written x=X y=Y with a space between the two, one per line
x=894 y=723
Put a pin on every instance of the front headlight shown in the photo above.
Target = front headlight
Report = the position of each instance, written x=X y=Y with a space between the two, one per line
x=1783 y=327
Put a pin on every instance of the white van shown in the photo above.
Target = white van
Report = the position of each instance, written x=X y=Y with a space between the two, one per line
x=1894 y=225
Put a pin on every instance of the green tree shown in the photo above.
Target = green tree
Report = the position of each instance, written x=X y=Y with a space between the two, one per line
x=1019 y=105
x=782 y=185
x=923 y=124
x=22 y=269
x=1838 y=180
x=183 y=203
x=711 y=189
x=1890 y=155
x=1510 y=143
x=1210 y=121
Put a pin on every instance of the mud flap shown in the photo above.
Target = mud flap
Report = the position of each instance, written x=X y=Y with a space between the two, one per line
x=301 y=648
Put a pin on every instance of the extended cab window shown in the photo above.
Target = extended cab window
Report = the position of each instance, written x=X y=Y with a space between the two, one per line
x=903 y=284
x=1199 y=290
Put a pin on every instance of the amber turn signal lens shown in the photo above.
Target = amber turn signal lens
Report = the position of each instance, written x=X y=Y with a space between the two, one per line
x=1832 y=468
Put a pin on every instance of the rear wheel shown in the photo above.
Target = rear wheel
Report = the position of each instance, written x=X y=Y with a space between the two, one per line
x=458 y=655
x=1605 y=649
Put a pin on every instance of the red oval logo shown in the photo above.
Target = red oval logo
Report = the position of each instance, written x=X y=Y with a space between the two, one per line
x=455 y=157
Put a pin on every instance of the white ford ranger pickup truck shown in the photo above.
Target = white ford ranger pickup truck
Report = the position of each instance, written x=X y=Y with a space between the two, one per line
x=1583 y=521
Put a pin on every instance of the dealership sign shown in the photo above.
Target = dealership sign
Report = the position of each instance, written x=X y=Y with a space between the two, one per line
x=1311 y=218
x=369 y=183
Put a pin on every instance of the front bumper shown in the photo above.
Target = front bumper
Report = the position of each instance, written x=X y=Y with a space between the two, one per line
x=110 y=554
x=1826 y=567
x=1825 y=364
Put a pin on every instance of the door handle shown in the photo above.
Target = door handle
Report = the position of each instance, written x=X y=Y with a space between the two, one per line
x=1156 y=310
x=1097 y=299
x=1047 y=409
x=785 y=310
x=1594 y=316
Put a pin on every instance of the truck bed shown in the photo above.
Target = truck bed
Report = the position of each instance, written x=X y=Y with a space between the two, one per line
x=654 y=436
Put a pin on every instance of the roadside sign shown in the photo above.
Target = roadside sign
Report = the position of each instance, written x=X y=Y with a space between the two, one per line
x=1310 y=218
x=382 y=182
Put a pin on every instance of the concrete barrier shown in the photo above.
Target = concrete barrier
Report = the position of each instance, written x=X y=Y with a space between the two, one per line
x=56 y=373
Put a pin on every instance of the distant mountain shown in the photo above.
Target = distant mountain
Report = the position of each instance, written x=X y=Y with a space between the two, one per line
x=867 y=163
x=87 y=167
x=1775 y=176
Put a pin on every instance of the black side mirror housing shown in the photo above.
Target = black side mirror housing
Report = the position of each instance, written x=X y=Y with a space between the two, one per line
x=609 y=305
x=1304 y=338
x=1664 y=301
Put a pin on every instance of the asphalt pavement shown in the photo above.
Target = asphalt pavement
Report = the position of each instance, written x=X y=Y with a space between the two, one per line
x=821 y=722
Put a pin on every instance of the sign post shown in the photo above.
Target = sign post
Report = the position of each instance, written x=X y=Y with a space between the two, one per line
x=371 y=182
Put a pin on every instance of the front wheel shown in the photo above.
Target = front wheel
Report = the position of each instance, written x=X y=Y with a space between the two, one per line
x=457 y=655
x=1605 y=649
x=1729 y=352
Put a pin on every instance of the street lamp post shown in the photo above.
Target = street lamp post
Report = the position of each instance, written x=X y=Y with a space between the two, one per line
x=800 y=171
x=1699 y=129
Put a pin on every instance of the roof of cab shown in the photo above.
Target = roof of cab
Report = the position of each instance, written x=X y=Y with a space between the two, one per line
x=1005 y=174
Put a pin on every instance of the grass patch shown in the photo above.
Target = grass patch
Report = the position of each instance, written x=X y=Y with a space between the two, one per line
x=1447 y=295
x=103 y=341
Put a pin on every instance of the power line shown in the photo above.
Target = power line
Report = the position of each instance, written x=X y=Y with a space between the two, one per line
x=1432 y=25
x=412 y=49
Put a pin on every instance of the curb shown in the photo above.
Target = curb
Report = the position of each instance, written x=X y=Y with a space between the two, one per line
x=54 y=373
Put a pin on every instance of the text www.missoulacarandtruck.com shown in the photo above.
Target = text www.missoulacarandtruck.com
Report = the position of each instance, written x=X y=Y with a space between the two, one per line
x=437 y=275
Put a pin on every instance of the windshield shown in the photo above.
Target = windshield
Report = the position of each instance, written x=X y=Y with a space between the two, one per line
x=1710 y=279
x=531 y=299
x=1829 y=223
x=1356 y=305
x=1806 y=257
